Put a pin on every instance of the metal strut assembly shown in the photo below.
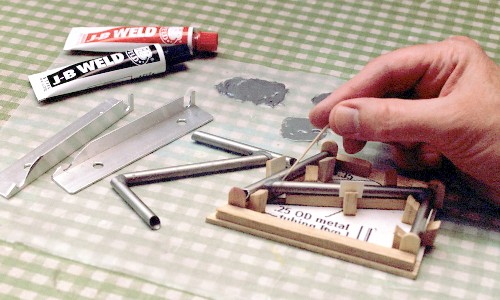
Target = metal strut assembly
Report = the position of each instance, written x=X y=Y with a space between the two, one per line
x=255 y=157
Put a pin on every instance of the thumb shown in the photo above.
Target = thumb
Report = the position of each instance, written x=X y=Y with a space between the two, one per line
x=390 y=120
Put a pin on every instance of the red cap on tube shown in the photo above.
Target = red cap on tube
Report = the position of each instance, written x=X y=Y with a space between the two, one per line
x=207 y=41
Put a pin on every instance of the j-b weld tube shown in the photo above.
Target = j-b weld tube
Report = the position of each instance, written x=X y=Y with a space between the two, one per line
x=116 y=39
x=116 y=67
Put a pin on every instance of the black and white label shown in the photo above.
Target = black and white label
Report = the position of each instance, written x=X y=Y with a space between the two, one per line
x=105 y=64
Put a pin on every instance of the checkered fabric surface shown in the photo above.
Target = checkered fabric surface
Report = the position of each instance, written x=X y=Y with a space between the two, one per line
x=91 y=245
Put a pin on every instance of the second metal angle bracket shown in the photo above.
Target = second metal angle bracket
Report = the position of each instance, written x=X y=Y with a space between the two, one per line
x=131 y=142
x=62 y=144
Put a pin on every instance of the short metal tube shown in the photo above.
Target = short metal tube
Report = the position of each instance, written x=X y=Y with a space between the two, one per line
x=420 y=224
x=147 y=215
x=233 y=146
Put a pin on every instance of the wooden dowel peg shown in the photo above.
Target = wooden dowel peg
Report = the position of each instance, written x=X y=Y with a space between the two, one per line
x=258 y=201
x=311 y=173
x=326 y=169
x=410 y=211
x=350 y=203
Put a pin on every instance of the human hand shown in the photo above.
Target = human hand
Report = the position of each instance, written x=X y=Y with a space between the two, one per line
x=457 y=115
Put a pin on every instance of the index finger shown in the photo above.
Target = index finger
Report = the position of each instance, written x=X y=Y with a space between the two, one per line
x=394 y=72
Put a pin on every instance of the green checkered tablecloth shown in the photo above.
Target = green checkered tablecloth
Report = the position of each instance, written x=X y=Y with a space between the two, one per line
x=90 y=245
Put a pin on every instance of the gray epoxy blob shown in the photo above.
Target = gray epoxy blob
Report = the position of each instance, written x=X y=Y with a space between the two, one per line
x=256 y=90
x=299 y=129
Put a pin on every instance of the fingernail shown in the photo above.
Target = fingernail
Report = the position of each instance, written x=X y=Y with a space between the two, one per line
x=346 y=120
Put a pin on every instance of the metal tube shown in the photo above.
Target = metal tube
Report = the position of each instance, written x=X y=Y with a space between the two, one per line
x=233 y=146
x=299 y=170
x=147 y=215
x=420 y=224
x=121 y=183
x=333 y=189
x=196 y=169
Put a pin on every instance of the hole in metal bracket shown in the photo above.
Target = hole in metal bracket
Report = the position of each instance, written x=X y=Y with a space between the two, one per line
x=182 y=122
x=98 y=165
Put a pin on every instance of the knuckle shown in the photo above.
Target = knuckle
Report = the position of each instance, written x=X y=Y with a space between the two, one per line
x=462 y=42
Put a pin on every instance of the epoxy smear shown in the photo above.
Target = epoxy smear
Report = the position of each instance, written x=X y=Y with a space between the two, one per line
x=256 y=90
x=299 y=129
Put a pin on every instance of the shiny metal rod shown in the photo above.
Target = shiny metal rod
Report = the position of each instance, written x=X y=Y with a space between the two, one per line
x=333 y=189
x=233 y=146
x=196 y=169
x=121 y=183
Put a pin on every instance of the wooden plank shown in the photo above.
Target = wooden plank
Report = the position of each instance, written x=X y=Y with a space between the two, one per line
x=331 y=201
x=290 y=230
x=212 y=219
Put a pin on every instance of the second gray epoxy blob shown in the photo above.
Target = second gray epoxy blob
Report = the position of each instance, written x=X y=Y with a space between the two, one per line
x=256 y=90
x=299 y=129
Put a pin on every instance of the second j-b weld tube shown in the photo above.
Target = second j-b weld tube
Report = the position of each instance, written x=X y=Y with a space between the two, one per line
x=116 y=67
x=121 y=38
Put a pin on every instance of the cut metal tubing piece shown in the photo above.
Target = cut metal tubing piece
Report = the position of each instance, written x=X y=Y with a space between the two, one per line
x=131 y=142
x=233 y=146
x=61 y=145
x=333 y=189
x=121 y=183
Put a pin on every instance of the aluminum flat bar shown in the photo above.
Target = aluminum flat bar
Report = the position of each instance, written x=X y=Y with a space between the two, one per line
x=129 y=143
x=61 y=145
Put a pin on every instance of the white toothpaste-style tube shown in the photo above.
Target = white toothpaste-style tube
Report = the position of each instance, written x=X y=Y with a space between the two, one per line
x=116 y=67
x=115 y=39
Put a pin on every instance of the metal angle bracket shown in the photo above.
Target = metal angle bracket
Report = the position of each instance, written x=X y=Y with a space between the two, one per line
x=115 y=150
x=62 y=144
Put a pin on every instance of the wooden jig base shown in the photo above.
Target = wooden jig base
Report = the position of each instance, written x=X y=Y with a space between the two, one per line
x=403 y=258
x=378 y=257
